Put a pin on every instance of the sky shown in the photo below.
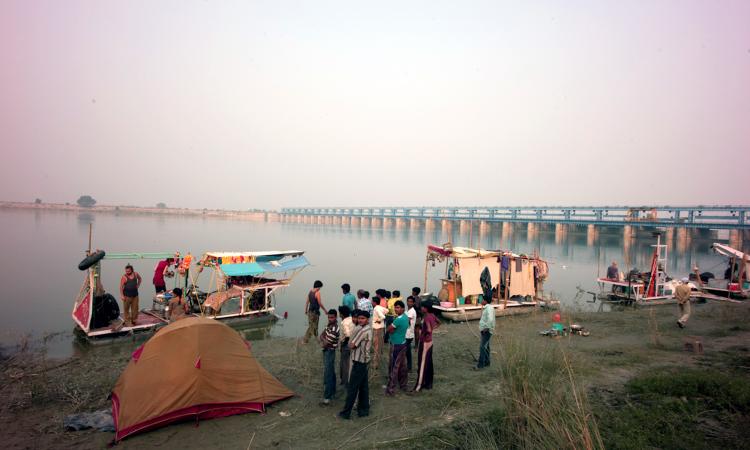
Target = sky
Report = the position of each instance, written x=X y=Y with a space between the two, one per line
x=253 y=104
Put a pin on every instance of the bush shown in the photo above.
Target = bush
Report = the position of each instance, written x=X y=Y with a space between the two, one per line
x=38 y=201
x=161 y=205
x=86 y=201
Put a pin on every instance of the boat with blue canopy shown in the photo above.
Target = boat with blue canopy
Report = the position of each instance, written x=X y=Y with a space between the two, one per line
x=243 y=284
x=241 y=288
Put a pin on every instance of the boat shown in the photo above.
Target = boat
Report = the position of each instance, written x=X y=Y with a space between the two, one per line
x=244 y=285
x=513 y=280
x=654 y=287
x=734 y=283
x=96 y=313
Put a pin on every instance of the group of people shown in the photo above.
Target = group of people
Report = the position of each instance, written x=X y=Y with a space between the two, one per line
x=366 y=326
x=130 y=283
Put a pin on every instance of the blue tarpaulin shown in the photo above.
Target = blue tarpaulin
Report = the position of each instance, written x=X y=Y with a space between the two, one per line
x=241 y=270
x=258 y=268
x=293 y=264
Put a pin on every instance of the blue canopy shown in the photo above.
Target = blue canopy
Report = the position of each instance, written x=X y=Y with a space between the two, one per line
x=241 y=270
x=292 y=264
x=258 y=268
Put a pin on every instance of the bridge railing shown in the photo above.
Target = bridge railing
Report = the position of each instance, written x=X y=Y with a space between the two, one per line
x=682 y=216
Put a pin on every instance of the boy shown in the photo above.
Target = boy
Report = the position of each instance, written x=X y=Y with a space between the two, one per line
x=347 y=327
x=358 y=384
x=411 y=313
x=397 y=369
x=329 y=340
x=378 y=326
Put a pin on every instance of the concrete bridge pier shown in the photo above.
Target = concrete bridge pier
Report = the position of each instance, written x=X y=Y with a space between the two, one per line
x=429 y=224
x=447 y=225
x=684 y=239
x=532 y=231
x=376 y=222
x=561 y=233
x=365 y=222
x=463 y=226
x=400 y=223
x=592 y=235
x=735 y=239
x=669 y=235
x=337 y=220
x=508 y=229
x=628 y=232
x=355 y=221
x=346 y=220
x=413 y=224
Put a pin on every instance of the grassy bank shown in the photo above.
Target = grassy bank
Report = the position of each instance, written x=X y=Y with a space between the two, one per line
x=631 y=384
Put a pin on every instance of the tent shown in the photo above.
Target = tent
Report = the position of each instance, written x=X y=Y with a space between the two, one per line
x=193 y=368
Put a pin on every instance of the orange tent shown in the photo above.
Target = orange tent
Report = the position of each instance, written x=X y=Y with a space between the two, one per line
x=195 y=367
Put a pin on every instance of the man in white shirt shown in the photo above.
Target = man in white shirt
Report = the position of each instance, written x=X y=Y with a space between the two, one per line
x=347 y=329
x=378 y=328
x=411 y=313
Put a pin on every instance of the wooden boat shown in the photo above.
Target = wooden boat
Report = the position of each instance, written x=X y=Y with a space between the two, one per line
x=513 y=280
x=651 y=288
x=245 y=284
x=736 y=284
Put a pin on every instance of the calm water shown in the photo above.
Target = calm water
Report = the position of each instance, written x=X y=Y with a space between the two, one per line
x=40 y=279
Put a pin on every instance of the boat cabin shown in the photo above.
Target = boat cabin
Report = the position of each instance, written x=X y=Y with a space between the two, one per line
x=512 y=280
x=243 y=283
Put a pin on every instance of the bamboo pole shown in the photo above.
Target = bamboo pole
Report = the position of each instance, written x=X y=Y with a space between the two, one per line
x=426 y=262
x=88 y=252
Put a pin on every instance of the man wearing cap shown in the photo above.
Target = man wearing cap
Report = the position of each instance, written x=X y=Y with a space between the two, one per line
x=682 y=294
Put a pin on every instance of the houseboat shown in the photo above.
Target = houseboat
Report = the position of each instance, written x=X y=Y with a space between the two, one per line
x=513 y=281
x=243 y=285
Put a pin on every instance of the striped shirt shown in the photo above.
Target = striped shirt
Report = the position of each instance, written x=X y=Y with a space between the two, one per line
x=330 y=336
x=362 y=342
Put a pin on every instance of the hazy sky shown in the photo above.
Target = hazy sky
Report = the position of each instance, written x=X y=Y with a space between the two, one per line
x=270 y=104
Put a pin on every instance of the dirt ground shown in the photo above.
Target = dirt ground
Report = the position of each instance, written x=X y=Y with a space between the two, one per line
x=35 y=393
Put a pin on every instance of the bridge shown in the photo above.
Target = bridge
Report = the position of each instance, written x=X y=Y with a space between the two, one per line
x=731 y=217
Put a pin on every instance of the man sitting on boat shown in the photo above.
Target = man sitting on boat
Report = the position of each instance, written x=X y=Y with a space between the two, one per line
x=177 y=306
x=612 y=272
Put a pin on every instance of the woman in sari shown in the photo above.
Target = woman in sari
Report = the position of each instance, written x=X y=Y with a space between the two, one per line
x=424 y=354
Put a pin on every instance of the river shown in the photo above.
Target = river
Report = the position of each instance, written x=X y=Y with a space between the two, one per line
x=40 y=279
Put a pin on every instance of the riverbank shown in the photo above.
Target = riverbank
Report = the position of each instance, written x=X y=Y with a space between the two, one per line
x=258 y=215
x=630 y=384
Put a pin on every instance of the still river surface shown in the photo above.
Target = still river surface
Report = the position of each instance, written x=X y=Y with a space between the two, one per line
x=40 y=279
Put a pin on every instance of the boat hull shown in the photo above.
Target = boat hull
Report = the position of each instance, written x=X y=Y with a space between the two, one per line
x=475 y=312
x=154 y=323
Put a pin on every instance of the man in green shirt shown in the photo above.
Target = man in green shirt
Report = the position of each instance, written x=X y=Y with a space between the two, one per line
x=486 y=329
x=397 y=370
x=348 y=300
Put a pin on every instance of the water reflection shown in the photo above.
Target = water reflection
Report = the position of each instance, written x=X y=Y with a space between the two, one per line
x=42 y=281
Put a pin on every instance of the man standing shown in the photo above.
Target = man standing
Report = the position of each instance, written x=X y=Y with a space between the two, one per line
x=397 y=370
x=411 y=313
x=378 y=326
x=312 y=310
x=486 y=329
x=329 y=340
x=129 y=284
x=347 y=328
x=358 y=379
x=682 y=294
x=424 y=355
x=612 y=272
x=348 y=300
